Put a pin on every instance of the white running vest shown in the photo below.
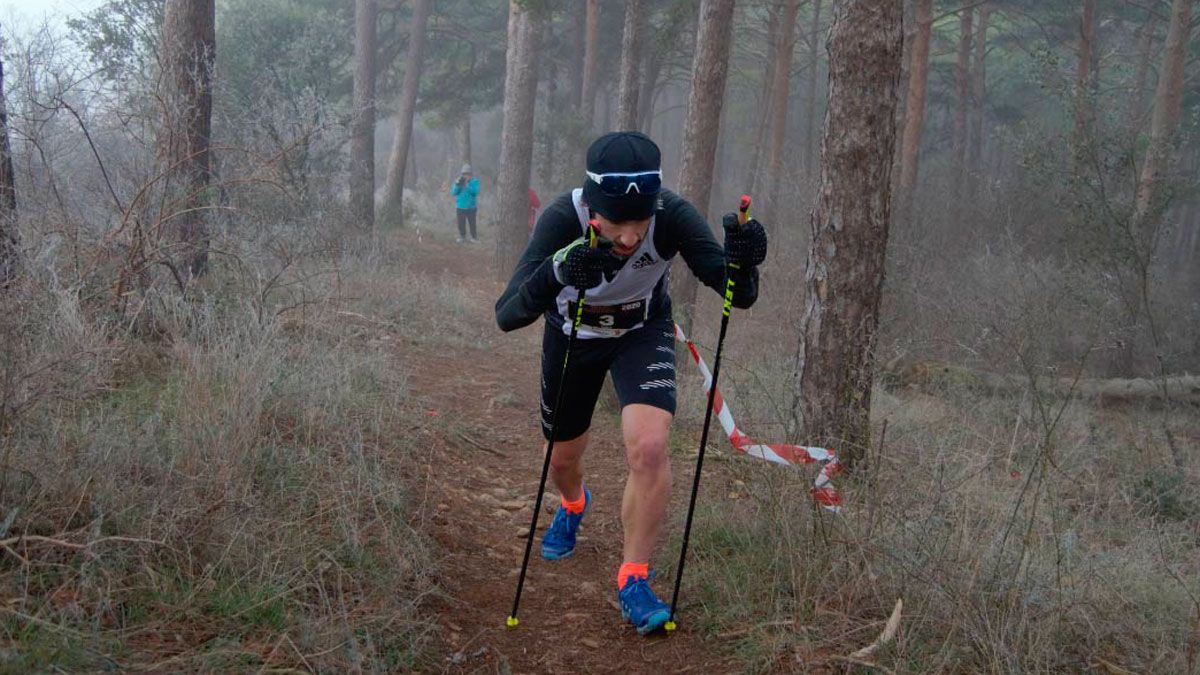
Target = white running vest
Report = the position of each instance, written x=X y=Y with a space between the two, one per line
x=634 y=283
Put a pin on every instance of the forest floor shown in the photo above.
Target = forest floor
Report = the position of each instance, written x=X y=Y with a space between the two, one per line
x=484 y=461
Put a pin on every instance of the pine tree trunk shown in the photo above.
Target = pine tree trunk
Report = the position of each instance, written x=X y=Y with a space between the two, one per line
x=362 y=134
x=709 y=69
x=1168 y=99
x=393 y=193
x=1137 y=107
x=962 y=78
x=1083 y=73
x=779 y=108
x=762 y=129
x=914 y=116
x=910 y=35
x=189 y=51
x=978 y=100
x=844 y=280
x=8 y=196
x=649 y=89
x=1150 y=200
x=658 y=48
x=550 y=102
x=587 y=96
x=516 y=136
x=631 y=54
x=578 y=36
x=814 y=54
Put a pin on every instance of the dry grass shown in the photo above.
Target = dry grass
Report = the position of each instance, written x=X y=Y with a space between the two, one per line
x=1025 y=534
x=229 y=491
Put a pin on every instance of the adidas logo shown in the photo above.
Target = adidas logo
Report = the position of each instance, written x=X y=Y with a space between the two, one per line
x=643 y=261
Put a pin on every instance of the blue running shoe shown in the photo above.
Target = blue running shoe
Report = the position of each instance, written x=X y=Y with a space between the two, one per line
x=640 y=607
x=559 y=540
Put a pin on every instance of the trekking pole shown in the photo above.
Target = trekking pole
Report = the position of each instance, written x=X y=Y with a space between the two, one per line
x=743 y=216
x=512 y=621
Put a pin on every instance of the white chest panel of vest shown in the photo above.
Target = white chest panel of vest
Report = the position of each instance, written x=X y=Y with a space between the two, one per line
x=633 y=283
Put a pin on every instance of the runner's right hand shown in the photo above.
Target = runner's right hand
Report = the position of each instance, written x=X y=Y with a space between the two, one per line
x=582 y=266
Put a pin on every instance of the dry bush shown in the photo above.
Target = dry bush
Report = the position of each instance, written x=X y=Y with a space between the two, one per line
x=212 y=475
x=232 y=494
x=1033 y=533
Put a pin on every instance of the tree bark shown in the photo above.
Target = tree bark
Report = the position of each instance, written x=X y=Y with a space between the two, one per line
x=814 y=54
x=1083 y=75
x=648 y=88
x=393 y=193
x=978 y=99
x=1164 y=120
x=914 y=116
x=1137 y=107
x=362 y=135
x=1150 y=199
x=779 y=107
x=844 y=279
x=659 y=48
x=631 y=56
x=962 y=78
x=189 y=51
x=516 y=136
x=710 y=67
x=548 y=103
x=8 y=196
x=762 y=129
x=909 y=22
x=587 y=96
x=578 y=35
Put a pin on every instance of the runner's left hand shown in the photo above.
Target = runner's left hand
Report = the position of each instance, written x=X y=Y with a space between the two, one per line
x=745 y=244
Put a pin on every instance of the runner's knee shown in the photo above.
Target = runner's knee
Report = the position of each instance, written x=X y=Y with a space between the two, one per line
x=564 y=462
x=647 y=452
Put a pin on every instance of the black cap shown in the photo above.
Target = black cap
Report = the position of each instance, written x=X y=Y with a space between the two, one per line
x=621 y=152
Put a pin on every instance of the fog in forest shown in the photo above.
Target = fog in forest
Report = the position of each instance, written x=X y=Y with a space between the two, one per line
x=256 y=412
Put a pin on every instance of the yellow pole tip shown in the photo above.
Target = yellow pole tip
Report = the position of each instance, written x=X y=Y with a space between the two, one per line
x=669 y=626
x=511 y=622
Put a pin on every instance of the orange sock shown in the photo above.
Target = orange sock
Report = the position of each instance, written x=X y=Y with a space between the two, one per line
x=575 y=507
x=631 y=570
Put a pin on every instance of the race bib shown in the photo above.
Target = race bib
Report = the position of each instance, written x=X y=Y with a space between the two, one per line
x=611 y=317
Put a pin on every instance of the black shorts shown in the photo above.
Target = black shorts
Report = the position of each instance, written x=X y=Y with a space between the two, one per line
x=642 y=363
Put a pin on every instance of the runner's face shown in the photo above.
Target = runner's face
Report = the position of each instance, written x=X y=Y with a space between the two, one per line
x=626 y=236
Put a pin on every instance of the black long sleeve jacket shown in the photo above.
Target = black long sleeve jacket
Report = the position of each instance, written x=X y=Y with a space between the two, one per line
x=679 y=228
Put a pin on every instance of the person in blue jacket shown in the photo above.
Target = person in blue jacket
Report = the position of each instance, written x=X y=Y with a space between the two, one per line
x=465 y=190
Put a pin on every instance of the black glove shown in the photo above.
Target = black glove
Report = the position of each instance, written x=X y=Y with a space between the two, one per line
x=582 y=266
x=462 y=180
x=745 y=244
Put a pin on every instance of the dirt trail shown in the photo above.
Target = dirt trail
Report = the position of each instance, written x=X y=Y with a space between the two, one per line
x=482 y=401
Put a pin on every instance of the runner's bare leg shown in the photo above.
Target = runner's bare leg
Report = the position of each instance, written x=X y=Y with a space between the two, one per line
x=566 y=466
x=648 y=487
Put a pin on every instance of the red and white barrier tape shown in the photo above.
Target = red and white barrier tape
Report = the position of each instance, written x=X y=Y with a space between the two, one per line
x=823 y=491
